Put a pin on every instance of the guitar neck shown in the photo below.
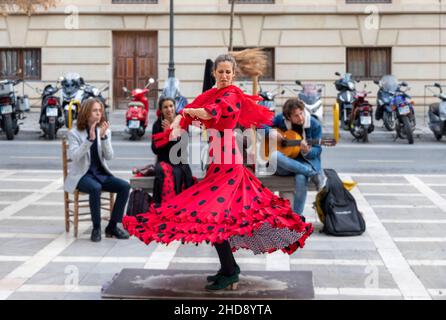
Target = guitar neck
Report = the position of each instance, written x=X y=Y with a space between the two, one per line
x=293 y=143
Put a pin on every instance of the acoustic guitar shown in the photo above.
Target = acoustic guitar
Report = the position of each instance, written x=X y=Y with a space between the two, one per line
x=290 y=145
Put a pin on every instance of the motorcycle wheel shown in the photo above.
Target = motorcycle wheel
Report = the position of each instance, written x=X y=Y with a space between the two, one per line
x=7 y=126
x=344 y=123
x=133 y=134
x=140 y=135
x=408 y=129
x=388 y=121
x=51 y=131
x=365 y=137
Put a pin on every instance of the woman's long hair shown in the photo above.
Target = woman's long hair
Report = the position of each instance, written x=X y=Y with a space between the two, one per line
x=85 y=112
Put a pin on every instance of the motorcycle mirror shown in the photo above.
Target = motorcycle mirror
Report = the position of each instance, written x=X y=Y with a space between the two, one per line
x=282 y=92
x=125 y=89
x=436 y=84
x=337 y=73
x=404 y=84
x=151 y=80
x=376 y=82
x=298 y=82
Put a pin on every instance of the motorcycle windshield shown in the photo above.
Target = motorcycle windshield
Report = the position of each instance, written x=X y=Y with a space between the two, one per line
x=442 y=110
x=308 y=99
x=389 y=83
x=171 y=88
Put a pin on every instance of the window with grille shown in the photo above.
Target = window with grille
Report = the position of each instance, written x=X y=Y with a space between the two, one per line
x=368 y=1
x=269 y=74
x=20 y=64
x=369 y=63
x=135 y=1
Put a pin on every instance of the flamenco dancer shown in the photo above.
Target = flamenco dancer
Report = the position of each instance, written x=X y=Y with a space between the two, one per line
x=229 y=208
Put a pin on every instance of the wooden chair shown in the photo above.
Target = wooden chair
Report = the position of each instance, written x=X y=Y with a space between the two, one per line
x=73 y=206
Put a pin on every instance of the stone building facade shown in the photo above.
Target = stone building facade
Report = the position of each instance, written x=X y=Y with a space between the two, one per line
x=125 y=42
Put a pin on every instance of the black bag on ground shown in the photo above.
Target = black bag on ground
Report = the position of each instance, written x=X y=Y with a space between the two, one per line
x=337 y=208
x=139 y=202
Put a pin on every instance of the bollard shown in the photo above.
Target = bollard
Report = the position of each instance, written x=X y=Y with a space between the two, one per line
x=336 y=122
x=70 y=108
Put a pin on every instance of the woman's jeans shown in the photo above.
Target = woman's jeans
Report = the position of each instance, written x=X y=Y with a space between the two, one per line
x=88 y=184
x=302 y=171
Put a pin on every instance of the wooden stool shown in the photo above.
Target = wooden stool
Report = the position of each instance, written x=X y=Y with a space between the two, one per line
x=72 y=206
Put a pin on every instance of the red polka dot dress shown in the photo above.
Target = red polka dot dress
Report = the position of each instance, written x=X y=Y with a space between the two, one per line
x=229 y=203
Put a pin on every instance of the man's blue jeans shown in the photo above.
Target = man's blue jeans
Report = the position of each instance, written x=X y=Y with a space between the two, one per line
x=302 y=171
x=93 y=187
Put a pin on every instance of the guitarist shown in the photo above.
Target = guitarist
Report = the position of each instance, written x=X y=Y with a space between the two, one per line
x=307 y=165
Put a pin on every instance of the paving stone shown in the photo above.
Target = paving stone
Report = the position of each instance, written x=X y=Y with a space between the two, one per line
x=7 y=266
x=378 y=179
x=422 y=251
x=36 y=185
x=440 y=190
x=415 y=230
x=13 y=196
x=386 y=189
x=37 y=296
x=348 y=276
x=97 y=279
x=132 y=248
x=84 y=247
x=432 y=277
x=114 y=267
x=59 y=273
x=380 y=200
x=22 y=246
x=37 y=210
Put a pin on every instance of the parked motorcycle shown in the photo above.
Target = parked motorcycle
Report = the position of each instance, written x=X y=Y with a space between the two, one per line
x=71 y=96
x=361 y=123
x=172 y=90
x=403 y=106
x=437 y=114
x=388 y=85
x=311 y=96
x=51 y=115
x=269 y=98
x=10 y=112
x=90 y=91
x=137 y=115
x=346 y=97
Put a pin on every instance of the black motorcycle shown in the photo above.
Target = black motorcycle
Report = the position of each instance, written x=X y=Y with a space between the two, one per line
x=269 y=98
x=51 y=114
x=388 y=85
x=71 y=96
x=10 y=112
x=403 y=105
x=437 y=114
x=90 y=91
x=346 y=97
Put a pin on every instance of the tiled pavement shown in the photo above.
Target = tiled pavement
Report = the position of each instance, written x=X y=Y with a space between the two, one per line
x=402 y=255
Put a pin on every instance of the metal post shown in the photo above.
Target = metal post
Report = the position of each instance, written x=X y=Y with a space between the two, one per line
x=336 y=122
x=171 y=62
